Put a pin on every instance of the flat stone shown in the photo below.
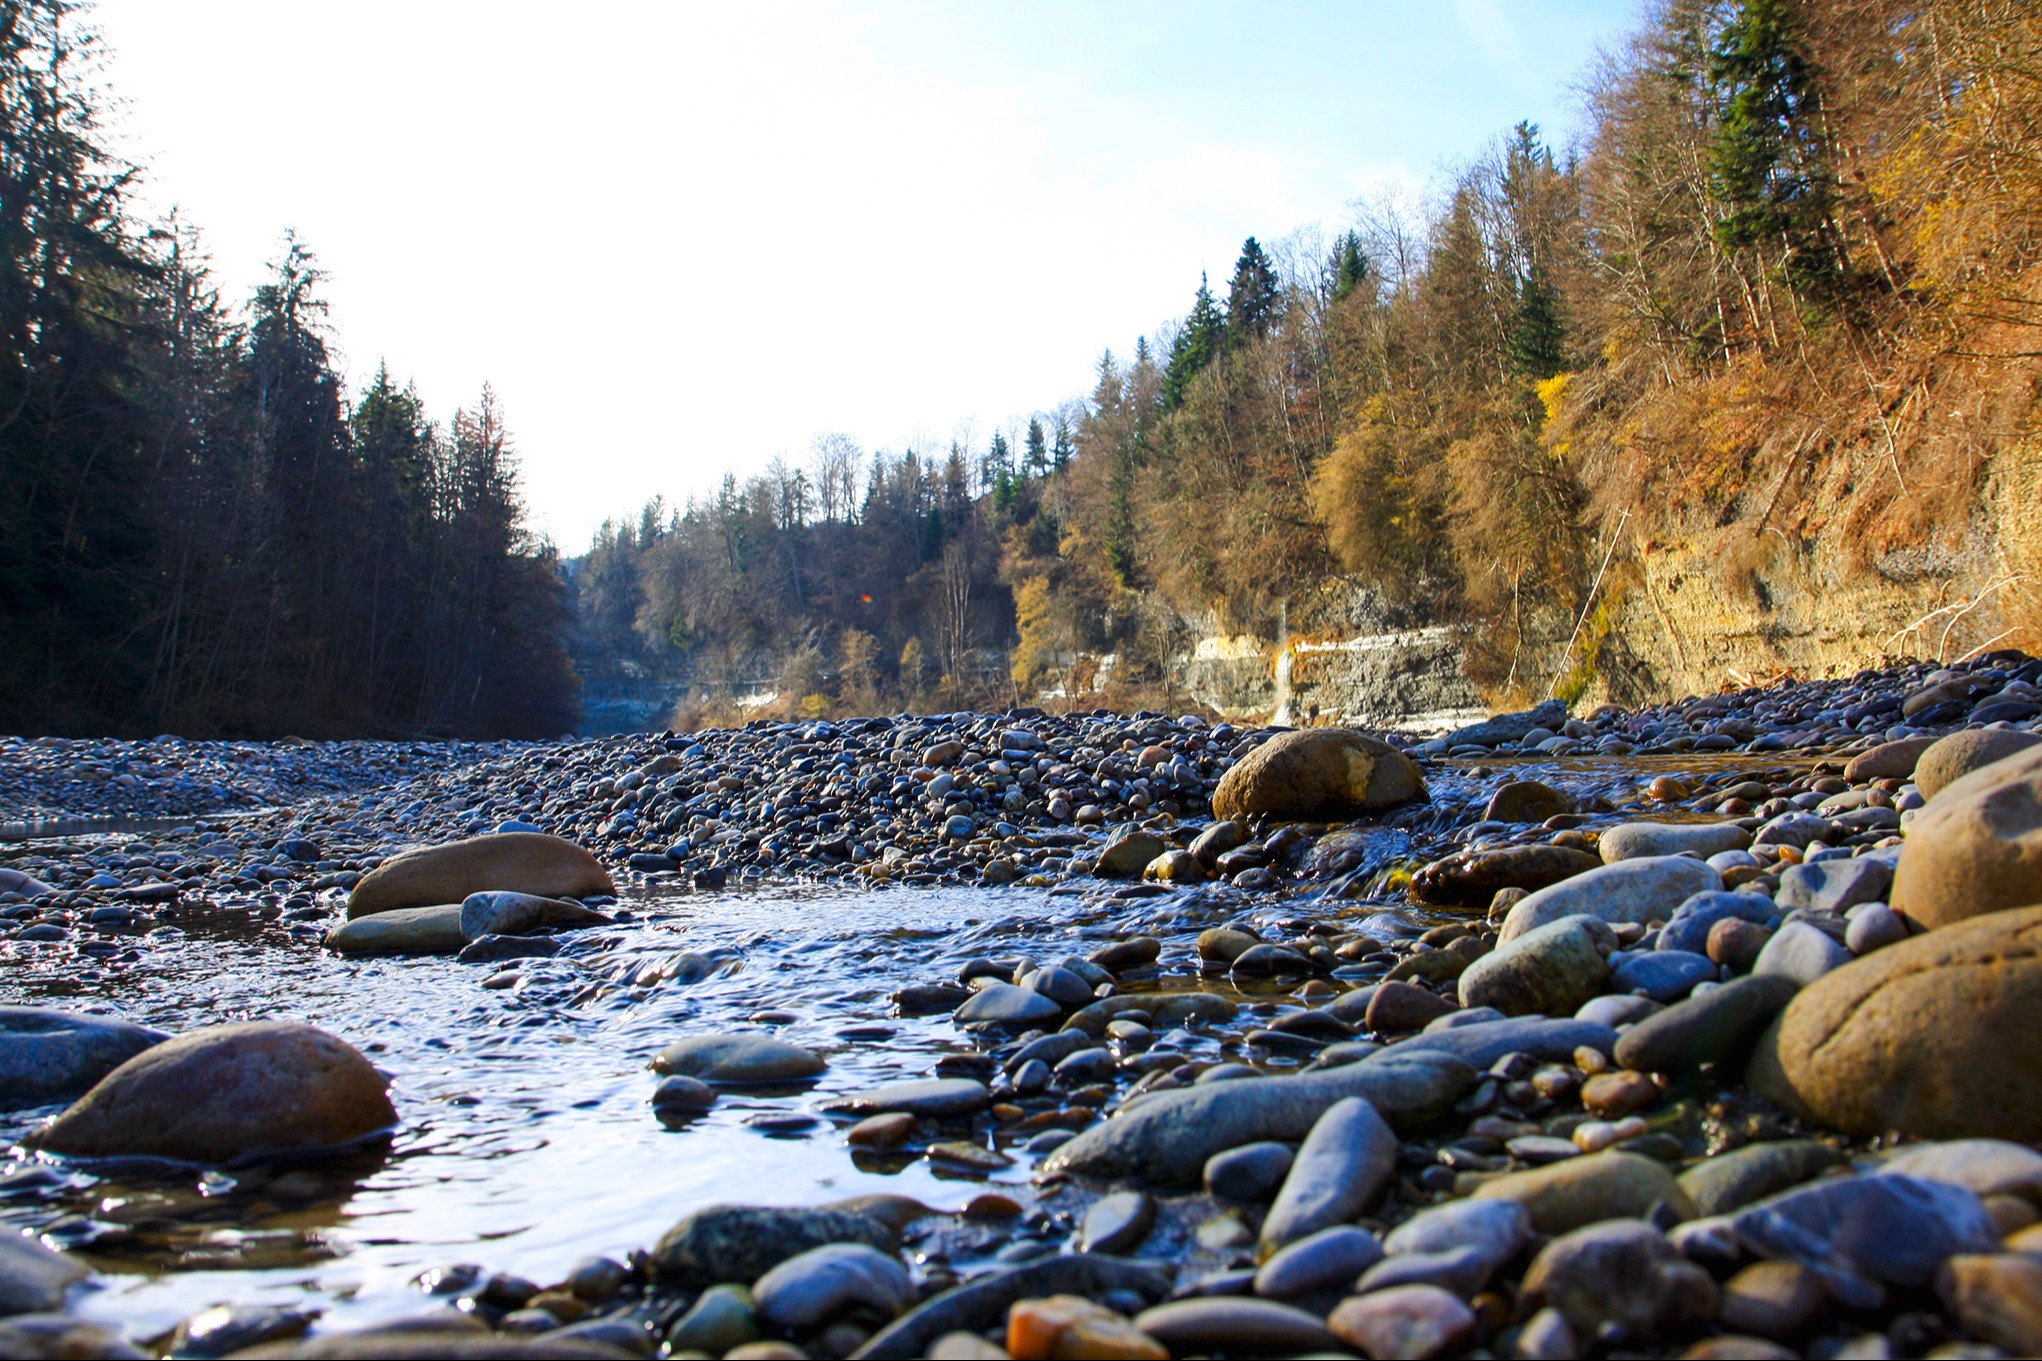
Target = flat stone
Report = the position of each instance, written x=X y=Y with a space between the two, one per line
x=1234 y=1324
x=1858 y=1233
x=1589 y=1189
x=1317 y=773
x=1622 y=1272
x=33 y=1278
x=1470 y=878
x=1494 y=1228
x=521 y=862
x=47 y=1054
x=1888 y=760
x=1342 y=1166
x=432 y=930
x=1731 y=1181
x=1800 y=953
x=1004 y=1004
x=1930 y=1037
x=1632 y=840
x=1329 y=1259
x=1644 y=889
x=1165 y=1138
x=517 y=914
x=1491 y=732
x=1719 y=1026
x=741 y=1243
x=1834 y=885
x=223 y=1093
x=1461 y=1272
x=1984 y=1167
x=1662 y=975
x=1549 y=970
x=931 y=1098
x=1541 y=1037
x=739 y=1059
x=823 y=1281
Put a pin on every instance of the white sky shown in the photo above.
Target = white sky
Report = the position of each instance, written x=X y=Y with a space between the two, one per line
x=680 y=239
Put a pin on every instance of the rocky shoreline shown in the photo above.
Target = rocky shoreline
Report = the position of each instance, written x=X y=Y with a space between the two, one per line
x=1708 y=1040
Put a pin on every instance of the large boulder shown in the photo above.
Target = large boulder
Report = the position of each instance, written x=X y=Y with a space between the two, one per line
x=226 y=1093
x=1977 y=848
x=46 y=1055
x=1951 y=758
x=1644 y=889
x=518 y=862
x=1931 y=1037
x=1320 y=773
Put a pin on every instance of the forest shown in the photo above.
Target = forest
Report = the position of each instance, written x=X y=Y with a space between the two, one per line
x=1784 y=283
x=200 y=533
x=1782 y=286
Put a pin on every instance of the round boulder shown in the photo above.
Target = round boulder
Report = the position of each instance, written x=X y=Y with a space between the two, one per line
x=226 y=1093
x=1930 y=1037
x=518 y=862
x=1977 y=847
x=1950 y=759
x=1320 y=773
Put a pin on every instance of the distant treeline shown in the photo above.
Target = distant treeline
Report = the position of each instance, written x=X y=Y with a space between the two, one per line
x=1785 y=285
x=197 y=533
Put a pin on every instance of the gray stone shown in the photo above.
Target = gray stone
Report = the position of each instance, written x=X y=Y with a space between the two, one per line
x=515 y=914
x=47 y=1055
x=1873 y=926
x=1799 y=952
x=1833 y=885
x=1622 y=1272
x=1795 y=829
x=737 y=1059
x=1614 y=1010
x=1327 y=1260
x=1340 y=1169
x=1540 y=1037
x=1166 y=1137
x=1631 y=840
x=1731 y=1181
x=33 y=1279
x=1250 y=1327
x=1459 y=1271
x=722 y=1318
x=1003 y=1004
x=931 y=1098
x=814 y=1285
x=1688 y=927
x=1861 y=1232
x=402 y=930
x=1504 y=728
x=1550 y=970
x=1117 y=1222
x=1648 y=888
x=1061 y=986
x=1494 y=1228
x=1985 y=1167
x=1662 y=975
x=740 y=1243
x=1250 y=1172
x=1719 y=1026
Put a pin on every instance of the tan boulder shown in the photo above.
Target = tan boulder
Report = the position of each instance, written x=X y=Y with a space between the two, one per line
x=1320 y=773
x=1889 y=760
x=1931 y=1037
x=1977 y=847
x=518 y=862
x=228 y=1092
x=1949 y=759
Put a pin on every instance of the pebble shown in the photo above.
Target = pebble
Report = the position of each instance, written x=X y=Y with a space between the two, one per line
x=1117 y=1223
x=1621 y=1272
x=1233 y=1324
x=1417 y=1321
x=1340 y=1169
x=1588 y=1189
x=814 y=1285
x=1250 y=1172
x=1329 y=1259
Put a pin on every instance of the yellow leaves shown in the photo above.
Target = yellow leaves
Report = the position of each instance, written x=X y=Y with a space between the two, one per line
x=1551 y=393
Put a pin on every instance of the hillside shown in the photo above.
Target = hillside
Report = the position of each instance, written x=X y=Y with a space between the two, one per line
x=1743 y=382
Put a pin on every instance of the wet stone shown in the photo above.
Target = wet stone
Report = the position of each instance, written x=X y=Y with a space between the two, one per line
x=1326 y=1260
x=739 y=1059
x=1250 y=1172
x=1117 y=1223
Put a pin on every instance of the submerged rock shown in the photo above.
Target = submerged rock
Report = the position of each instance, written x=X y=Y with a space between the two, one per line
x=739 y=1059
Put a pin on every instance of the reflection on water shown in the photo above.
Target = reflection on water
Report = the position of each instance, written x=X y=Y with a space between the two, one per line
x=528 y=1140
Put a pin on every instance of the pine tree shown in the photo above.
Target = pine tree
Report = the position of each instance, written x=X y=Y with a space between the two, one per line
x=1035 y=459
x=1350 y=266
x=1197 y=344
x=1252 y=295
